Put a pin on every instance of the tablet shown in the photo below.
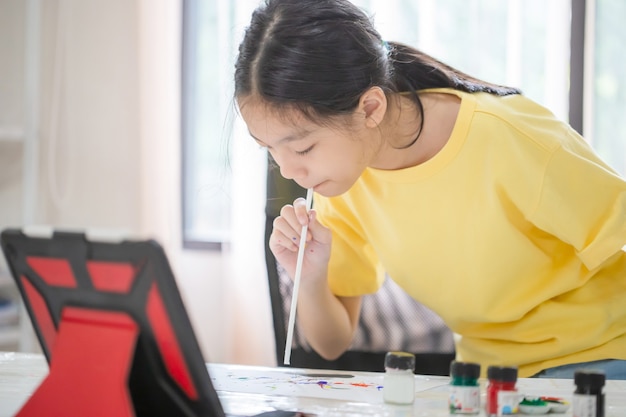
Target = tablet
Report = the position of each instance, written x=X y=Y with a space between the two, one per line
x=112 y=325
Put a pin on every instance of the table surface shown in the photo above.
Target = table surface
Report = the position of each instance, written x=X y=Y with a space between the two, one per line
x=249 y=390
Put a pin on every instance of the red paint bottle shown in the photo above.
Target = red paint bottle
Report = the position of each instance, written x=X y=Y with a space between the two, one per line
x=502 y=396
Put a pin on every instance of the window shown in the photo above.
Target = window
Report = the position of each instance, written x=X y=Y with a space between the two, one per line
x=605 y=125
x=522 y=43
x=207 y=92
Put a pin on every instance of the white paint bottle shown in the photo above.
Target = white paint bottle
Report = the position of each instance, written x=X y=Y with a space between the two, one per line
x=399 y=381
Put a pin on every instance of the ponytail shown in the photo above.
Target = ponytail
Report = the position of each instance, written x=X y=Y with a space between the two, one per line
x=414 y=70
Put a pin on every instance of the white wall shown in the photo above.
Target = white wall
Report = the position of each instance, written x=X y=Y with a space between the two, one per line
x=109 y=137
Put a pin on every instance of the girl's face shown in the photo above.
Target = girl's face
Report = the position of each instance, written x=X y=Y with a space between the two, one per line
x=327 y=159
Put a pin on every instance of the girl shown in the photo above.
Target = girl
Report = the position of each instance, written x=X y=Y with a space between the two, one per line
x=477 y=201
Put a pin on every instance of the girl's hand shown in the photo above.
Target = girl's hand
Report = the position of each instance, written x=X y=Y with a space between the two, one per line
x=285 y=240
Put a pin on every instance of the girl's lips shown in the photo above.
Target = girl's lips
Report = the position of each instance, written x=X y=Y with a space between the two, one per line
x=319 y=185
x=314 y=187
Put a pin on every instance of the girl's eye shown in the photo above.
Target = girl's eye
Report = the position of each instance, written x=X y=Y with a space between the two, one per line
x=306 y=151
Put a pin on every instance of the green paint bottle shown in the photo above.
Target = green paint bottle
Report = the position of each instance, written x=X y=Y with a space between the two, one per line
x=464 y=388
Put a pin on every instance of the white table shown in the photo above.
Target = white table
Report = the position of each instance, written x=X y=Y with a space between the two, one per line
x=248 y=390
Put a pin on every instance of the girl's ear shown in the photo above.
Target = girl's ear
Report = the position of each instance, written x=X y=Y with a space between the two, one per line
x=373 y=104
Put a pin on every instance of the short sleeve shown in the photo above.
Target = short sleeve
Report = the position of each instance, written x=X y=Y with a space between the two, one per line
x=583 y=202
x=353 y=268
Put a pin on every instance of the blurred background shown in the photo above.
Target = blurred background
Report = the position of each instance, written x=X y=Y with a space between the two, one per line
x=118 y=114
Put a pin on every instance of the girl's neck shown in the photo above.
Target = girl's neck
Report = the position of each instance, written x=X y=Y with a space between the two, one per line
x=402 y=124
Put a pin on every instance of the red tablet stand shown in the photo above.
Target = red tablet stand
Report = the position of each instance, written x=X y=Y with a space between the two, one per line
x=78 y=385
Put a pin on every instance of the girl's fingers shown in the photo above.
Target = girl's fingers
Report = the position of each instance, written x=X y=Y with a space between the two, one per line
x=288 y=214
x=279 y=240
x=286 y=237
x=299 y=207
x=288 y=226
x=289 y=229
x=322 y=234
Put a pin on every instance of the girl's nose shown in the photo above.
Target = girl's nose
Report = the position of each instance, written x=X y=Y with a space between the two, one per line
x=291 y=171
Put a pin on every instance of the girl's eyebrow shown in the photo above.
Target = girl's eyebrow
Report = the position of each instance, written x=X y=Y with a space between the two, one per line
x=299 y=135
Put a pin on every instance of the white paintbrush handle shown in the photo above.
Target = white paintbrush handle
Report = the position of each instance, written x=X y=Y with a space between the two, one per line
x=296 y=282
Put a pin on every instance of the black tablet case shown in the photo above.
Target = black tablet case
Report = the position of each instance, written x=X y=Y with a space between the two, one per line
x=113 y=327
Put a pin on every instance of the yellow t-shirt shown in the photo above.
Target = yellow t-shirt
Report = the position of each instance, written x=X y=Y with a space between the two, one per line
x=512 y=233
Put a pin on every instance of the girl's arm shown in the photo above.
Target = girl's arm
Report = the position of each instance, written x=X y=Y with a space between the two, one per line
x=328 y=322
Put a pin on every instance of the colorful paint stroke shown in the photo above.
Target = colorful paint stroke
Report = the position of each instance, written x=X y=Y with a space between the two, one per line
x=340 y=386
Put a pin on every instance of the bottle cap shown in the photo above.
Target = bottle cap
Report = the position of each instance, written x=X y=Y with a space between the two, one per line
x=589 y=378
x=502 y=373
x=400 y=360
x=465 y=369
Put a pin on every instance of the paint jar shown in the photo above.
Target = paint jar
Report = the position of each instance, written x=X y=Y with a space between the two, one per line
x=588 y=398
x=464 y=388
x=502 y=396
x=399 y=380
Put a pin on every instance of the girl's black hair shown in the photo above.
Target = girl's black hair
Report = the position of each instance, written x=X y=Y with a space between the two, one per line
x=320 y=56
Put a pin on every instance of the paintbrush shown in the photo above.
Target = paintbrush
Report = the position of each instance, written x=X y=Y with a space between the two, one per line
x=296 y=281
